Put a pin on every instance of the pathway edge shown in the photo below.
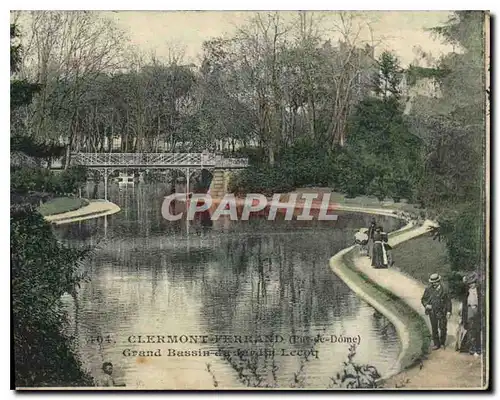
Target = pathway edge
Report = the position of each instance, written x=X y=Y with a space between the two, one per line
x=340 y=268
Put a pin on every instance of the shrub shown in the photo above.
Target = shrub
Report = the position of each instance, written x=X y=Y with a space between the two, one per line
x=264 y=179
x=42 y=271
x=461 y=230
x=27 y=179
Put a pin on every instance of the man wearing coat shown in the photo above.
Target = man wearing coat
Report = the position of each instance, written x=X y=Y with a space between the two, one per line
x=437 y=303
x=471 y=312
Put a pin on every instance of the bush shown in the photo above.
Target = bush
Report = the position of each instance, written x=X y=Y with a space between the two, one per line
x=264 y=180
x=27 y=179
x=42 y=271
x=303 y=164
x=255 y=155
x=461 y=228
x=72 y=179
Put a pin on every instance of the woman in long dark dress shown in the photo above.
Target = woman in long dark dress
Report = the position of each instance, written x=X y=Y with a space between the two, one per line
x=379 y=257
x=371 y=232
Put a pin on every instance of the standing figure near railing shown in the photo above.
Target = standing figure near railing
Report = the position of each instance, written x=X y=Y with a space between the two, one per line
x=379 y=256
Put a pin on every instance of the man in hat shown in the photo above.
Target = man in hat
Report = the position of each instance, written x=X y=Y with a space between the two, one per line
x=437 y=303
x=471 y=312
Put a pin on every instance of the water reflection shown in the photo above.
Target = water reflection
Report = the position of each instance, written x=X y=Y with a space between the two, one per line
x=246 y=278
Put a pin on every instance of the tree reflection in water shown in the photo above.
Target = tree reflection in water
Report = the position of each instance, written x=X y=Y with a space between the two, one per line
x=275 y=283
x=251 y=277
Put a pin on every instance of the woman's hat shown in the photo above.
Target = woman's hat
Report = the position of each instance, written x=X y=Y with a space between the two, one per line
x=434 y=278
x=471 y=278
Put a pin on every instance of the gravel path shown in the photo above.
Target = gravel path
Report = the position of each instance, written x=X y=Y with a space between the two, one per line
x=444 y=368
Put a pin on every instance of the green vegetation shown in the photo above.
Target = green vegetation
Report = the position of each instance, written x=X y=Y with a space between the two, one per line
x=42 y=269
x=454 y=129
x=422 y=256
x=305 y=110
x=380 y=156
x=428 y=151
x=25 y=180
x=61 y=205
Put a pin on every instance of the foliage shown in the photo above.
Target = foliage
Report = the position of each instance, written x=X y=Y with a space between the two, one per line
x=15 y=49
x=414 y=73
x=381 y=156
x=307 y=162
x=260 y=179
x=387 y=79
x=303 y=164
x=461 y=229
x=32 y=147
x=259 y=87
x=61 y=205
x=255 y=155
x=453 y=129
x=26 y=179
x=354 y=375
x=21 y=91
x=42 y=271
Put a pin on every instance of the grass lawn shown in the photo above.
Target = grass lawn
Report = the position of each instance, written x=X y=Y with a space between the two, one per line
x=422 y=256
x=61 y=205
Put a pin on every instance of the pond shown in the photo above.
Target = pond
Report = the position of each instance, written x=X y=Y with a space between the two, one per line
x=266 y=285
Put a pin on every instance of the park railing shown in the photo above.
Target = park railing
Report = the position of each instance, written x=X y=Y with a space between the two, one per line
x=157 y=160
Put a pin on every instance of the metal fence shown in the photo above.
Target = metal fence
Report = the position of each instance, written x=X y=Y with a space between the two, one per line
x=157 y=160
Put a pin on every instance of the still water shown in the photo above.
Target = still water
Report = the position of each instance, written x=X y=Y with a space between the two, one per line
x=242 y=279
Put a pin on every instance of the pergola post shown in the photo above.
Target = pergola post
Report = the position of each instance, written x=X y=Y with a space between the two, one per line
x=105 y=184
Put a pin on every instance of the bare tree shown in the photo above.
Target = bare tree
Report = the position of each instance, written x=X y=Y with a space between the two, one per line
x=347 y=67
x=66 y=51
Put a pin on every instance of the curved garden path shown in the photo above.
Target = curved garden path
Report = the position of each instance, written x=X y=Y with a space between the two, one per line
x=441 y=369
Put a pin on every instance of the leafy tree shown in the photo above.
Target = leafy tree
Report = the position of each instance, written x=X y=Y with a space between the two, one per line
x=380 y=145
x=453 y=129
x=42 y=270
x=454 y=123
x=388 y=79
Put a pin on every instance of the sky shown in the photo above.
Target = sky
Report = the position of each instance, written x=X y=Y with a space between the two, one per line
x=157 y=31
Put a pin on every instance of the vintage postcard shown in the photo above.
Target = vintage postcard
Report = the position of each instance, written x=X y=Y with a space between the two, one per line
x=239 y=200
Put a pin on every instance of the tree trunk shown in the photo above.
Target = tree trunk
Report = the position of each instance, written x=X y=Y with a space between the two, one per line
x=270 y=154
x=68 y=156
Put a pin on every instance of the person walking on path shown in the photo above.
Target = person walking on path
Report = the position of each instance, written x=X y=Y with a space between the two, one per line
x=379 y=253
x=387 y=248
x=361 y=239
x=437 y=303
x=371 y=233
x=471 y=313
